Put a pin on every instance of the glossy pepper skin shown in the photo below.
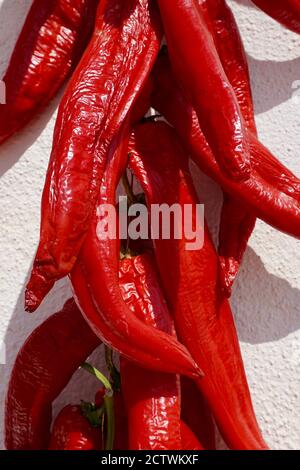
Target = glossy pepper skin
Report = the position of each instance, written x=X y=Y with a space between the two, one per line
x=286 y=12
x=100 y=95
x=228 y=42
x=152 y=399
x=188 y=439
x=272 y=191
x=95 y=281
x=50 y=45
x=203 y=318
x=121 y=422
x=200 y=72
x=236 y=227
x=44 y=366
x=237 y=223
x=73 y=431
x=196 y=414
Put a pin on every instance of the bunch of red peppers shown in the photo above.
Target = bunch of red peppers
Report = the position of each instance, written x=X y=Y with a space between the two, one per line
x=164 y=308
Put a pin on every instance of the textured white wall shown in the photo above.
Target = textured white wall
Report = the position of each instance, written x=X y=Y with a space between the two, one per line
x=267 y=294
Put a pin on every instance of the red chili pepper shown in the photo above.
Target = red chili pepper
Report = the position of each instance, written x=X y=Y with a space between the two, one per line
x=236 y=226
x=203 y=319
x=50 y=45
x=188 y=439
x=124 y=333
x=152 y=399
x=286 y=12
x=96 y=286
x=230 y=48
x=196 y=414
x=237 y=223
x=198 y=68
x=100 y=95
x=73 y=431
x=121 y=423
x=43 y=367
x=104 y=309
x=271 y=193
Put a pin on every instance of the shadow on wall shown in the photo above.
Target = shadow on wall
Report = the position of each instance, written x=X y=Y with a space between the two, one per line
x=277 y=81
x=247 y=3
x=266 y=307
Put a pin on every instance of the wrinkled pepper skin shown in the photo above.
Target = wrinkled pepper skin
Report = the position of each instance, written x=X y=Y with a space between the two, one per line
x=73 y=431
x=271 y=193
x=95 y=281
x=44 y=366
x=188 y=439
x=100 y=95
x=196 y=414
x=237 y=224
x=203 y=318
x=285 y=12
x=49 y=47
x=152 y=399
x=229 y=45
x=200 y=72
x=100 y=298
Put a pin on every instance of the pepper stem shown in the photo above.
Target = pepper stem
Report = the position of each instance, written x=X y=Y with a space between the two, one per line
x=92 y=370
x=110 y=415
x=108 y=404
x=113 y=371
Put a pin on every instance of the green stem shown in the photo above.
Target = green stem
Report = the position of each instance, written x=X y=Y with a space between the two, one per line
x=92 y=370
x=110 y=415
x=108 y=404
x=113 y=371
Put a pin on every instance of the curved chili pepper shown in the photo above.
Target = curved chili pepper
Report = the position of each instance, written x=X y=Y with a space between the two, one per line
x=198 y=68
x=196 y=414
x=230 y=48
x=188 y=439
x=286 y=12
x=101 y=93
x=43 y=367
x=276 y=204
x=50 y=45
x=237 y=223
x=203 y=319
x=236 y=226
x=96 y=287
x=73 y=431
x=152 y=399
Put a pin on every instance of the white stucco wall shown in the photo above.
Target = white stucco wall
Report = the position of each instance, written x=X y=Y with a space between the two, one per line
x=267 y=294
